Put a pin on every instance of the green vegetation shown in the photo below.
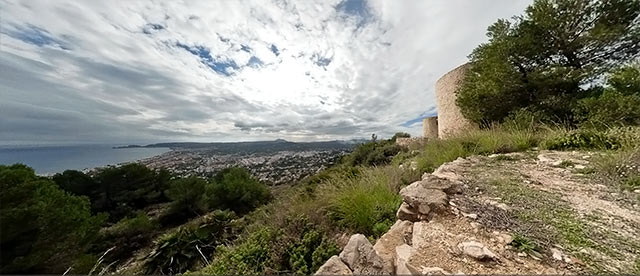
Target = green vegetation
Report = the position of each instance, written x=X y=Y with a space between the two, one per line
x=190 y=245
x=235 y=189
x=524 y=244
x=43 y=227
x=366 y=204
x=373 y=153
x=547 y=63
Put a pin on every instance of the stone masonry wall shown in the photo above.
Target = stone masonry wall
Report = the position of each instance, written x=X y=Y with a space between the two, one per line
x=450 y=120
x=430 y=127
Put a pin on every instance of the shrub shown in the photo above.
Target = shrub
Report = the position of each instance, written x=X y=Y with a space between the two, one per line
x=580 y=139
x=400 y=135
x=306 y=255
x=189 y=245
x=361 y=203
x=42 y=228
x=133 y=226
x=372 y=153
x=250 y=257
x=612 y=108
x=235 y=189
x=187 y=195
x=489 y=141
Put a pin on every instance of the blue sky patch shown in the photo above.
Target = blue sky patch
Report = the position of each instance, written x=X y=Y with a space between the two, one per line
x=219 y=65
x=320 y=60
x=150 y=28
x=275 y=50
x=432 y=112
x=255 y=62
x=37 y=36
x=356 y=8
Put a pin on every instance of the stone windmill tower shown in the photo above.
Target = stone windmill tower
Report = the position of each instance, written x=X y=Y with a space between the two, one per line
x=450 y=121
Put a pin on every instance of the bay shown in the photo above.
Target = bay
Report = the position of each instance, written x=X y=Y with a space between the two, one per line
x=46 y=160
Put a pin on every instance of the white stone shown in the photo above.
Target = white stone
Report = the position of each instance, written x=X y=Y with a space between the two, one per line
x=334 y=266
x=360 y=256
x=556 y=254
x=385 y=247
x=471 y=216
x=403 y=253
x=579 y=167
x=476 y=250
x=434 y=271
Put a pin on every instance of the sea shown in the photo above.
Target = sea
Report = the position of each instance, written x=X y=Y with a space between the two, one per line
x=48 y=160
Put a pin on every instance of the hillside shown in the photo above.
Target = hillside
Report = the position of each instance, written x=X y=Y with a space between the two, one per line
x=518 y=213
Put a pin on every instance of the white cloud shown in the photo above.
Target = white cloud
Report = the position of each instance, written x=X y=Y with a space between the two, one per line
x=129 y=70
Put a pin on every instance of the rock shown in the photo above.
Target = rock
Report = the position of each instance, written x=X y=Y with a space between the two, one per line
x=637 y=191
x=579 y=167
x=434 y=271
x=360 y=256
x=556 y=254
x=423 y=199
x=471 y=216
x=476 y=250
x=385 y=247
x=433 y=182
x=556 y=163
x=406 y=212
x=522 y=254
x=334 y=266
x=403 y=253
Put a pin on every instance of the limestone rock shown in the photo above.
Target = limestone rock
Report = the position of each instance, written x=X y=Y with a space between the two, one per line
x=360 y=256
x=406 y=212
x=476 y=250
x=556 y=254
x=403 y=254
x=434 y=271
x=334 y=266
x=433 y=182
x=385 y=247
x=423 y=199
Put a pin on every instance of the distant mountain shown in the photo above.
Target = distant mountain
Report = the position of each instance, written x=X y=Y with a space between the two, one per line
x=257 y=146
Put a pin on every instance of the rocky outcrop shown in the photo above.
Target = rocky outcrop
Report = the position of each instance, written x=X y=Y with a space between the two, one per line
x=334 y=266
x=360 y=256
x=398 y=234
x=476 y=250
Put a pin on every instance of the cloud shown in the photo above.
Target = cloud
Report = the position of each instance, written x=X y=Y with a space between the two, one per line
x=147 y=71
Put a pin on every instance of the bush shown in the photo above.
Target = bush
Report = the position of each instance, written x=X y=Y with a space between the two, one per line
x=187 y=196
x=489 y=141
x=189 y=245
x=610 y=109
x=361 y=203
x=133 y=226
x=400 y=135
x=235 y=189
x=373 y=153
x=43 y=228
x=297 y=247
x=580 y=139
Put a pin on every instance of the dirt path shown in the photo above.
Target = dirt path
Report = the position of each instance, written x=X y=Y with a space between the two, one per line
x=561 y=218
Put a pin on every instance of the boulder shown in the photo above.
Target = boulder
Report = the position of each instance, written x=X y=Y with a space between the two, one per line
x=334 y=266
x=385 y=247
x=476 y=250
x=403 y=253
x=434 y=270
x=360 y=256
x=424 y=199
x=433 y=182
x=406 y=212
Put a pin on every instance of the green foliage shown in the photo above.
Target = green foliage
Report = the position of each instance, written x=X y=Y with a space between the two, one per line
x=373 y=153
x=489 y=141
x=580 y=139
x=308 y=254
x=541 y=61
x=190 y=244
x=524 y=244
x=134 y=226
x=400 y=135
x=118 y=191
x=187 y=195
x=235 y=189
x=366 y=204
x=297 y=247
x=43 y=228
x=250 y=257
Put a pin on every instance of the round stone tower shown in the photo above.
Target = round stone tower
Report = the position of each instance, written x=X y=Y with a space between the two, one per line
x=450 y=120
x=430 y=127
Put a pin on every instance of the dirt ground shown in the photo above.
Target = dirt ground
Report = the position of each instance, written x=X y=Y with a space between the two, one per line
x=561 y=217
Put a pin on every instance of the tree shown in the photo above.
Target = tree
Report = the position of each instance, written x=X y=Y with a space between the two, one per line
x=236 y=190
x=43 y=228
x=549 y=58
x=187 y=194
x=77 y=183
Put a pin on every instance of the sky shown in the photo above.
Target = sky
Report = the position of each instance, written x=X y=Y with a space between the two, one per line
x=229 y=70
